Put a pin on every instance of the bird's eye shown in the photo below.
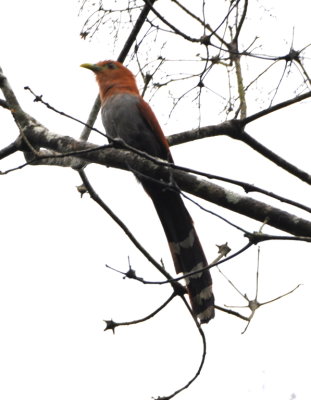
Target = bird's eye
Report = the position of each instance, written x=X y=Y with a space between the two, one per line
x=112 y=66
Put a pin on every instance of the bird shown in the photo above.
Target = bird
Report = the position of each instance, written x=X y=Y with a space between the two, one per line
x=128 y=117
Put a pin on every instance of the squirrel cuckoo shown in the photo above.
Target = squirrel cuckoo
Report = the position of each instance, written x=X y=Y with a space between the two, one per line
x=127 y=116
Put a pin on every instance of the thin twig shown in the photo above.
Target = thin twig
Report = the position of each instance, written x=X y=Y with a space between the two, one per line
x=276 y=107
x=231 y=312
x=113 y=325
x=121 y=224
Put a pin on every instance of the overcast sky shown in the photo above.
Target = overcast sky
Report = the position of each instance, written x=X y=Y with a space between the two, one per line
x=55 y=290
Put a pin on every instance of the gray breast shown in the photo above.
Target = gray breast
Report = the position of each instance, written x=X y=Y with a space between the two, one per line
x=122 y=119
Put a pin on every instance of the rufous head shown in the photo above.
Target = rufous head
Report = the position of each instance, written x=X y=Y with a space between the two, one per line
x=112 y=76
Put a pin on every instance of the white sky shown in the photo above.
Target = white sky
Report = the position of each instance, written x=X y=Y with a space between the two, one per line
x=54 y=288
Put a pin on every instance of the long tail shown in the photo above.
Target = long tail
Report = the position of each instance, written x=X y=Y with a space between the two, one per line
x=185 y=247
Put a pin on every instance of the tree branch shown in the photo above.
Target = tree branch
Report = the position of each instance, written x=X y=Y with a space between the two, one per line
x=113 y=325
x=275 y=158
x=8 y=150
x=231 y=126
x=276 y=107
x=158 y=169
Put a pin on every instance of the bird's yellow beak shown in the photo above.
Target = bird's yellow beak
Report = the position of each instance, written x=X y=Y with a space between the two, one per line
x=93 y=67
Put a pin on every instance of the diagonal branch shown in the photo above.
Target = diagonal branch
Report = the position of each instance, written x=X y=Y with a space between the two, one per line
x=275 y=158
x=46 y=158
x=235 y=129
x=276 y=107
x=8 y=150
x=158 y=169
x=229 y=127
x=128 y=233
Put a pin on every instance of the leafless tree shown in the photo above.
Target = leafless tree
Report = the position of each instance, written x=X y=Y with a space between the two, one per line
x=218 y=61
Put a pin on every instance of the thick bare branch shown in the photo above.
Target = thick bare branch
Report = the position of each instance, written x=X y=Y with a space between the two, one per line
x=235 y=129
x=11 y=100
x=231 y=126
x=42 y=137
x=8 y=150
x=4 y=104
x=275 y=158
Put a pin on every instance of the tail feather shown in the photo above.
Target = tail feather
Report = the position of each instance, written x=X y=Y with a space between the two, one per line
x=187 y=253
